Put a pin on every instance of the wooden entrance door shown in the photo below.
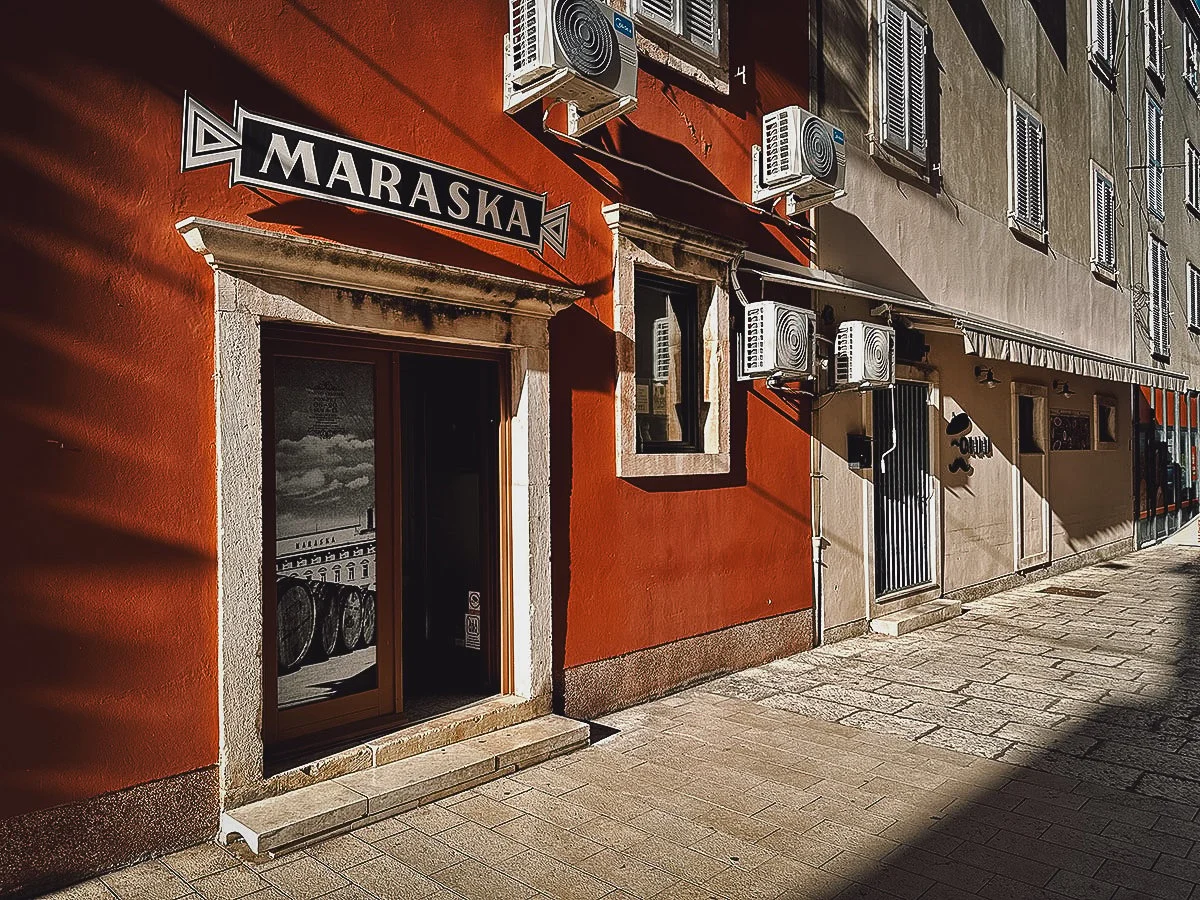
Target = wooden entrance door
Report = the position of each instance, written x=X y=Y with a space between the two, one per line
x=1031 y=476
x=381 y=563
x=331 y=572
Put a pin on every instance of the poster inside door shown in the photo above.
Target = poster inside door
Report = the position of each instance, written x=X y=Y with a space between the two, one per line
x=325 y=528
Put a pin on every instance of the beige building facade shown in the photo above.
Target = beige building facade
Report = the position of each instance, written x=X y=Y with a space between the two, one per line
x=987 y=218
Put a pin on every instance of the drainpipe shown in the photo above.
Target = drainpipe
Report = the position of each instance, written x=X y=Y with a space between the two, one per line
x=1133 y=388
x=818 y=538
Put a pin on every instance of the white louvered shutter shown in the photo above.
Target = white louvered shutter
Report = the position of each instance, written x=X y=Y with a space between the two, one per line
x=523 y=28
x=1159 y=312
x=916 y=42
x=1154 y=28
x=1103 y=22
x=1104 y=248
x=1191 y=62
x=1029 y=202
x=1192 y=175
x=1193 y=280
x=698 y=19
x=661 y=11
x=1154 y=157
x=902 y=61
x=894 y=69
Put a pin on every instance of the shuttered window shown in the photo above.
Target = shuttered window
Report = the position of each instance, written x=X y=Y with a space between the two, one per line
x=1193 y=289
x=1154 y=157
x=1027 y=167
x=1153 y=15
x=1191 y=59
x=1103 y=46
x=694 y=22
x=1192 y=176
x=1158 y=298
x=1104 y=221
x=902 y=59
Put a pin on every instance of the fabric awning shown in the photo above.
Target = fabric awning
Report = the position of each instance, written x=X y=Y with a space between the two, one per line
x=981 y=336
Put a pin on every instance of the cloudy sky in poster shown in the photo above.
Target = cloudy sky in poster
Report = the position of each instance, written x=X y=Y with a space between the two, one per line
x=324 y=444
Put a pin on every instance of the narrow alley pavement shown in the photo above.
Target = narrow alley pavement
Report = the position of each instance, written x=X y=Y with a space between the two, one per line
x=1044 y=745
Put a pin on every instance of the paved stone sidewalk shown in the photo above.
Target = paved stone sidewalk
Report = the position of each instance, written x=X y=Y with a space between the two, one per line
x=706 y=795
x=1100 y=687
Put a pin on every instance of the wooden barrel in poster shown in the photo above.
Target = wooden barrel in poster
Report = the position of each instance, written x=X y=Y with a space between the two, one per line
x=329 y=620
x=369 y=615
x=351 y=602
x=296 y=621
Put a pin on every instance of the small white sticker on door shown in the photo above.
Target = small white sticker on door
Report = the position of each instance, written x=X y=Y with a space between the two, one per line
x=472 y=631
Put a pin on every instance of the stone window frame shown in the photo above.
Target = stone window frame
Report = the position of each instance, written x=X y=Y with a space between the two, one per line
x=642 y=240
x=262 y=276
x=675 y=53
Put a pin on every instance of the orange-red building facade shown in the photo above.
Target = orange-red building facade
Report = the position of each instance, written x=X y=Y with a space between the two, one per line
x=113 y=675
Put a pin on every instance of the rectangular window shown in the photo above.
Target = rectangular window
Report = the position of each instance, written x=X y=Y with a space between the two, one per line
x=903 y=42
x=1154 y=157
x=1191 y=59
x=1193 y=289
x=1027 y=167
x=1106 y=428
x=1192 y=176
x=1154 y=36
x=1029 y=414
x=1103 y=46
x=667 y=367
x=695 y=23
x=1104 y=227
x=1158 y=299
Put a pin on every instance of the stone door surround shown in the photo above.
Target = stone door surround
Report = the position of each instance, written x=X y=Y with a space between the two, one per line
x=263 y=275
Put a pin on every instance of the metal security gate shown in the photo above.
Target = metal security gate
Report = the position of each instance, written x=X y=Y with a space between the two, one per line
x=902 y=488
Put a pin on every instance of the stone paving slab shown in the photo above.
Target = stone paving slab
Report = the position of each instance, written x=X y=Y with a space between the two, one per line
x=877 y=768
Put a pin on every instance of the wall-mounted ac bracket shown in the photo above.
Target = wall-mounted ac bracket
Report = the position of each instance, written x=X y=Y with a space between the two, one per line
x=582 y=122
x=795 y=205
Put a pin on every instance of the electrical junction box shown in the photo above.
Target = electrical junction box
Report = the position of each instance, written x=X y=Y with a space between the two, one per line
x=858 y=451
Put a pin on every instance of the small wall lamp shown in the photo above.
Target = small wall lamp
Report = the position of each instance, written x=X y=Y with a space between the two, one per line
x=1063 y=389
x=985 y=376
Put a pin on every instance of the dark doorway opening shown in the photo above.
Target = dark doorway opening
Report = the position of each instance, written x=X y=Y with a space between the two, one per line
x=449 y=437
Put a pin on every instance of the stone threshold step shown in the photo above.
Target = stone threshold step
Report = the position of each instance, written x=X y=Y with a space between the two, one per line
x=929 y=613
x=350 y=801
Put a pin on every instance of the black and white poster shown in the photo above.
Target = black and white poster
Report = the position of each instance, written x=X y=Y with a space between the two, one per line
x=325 y=528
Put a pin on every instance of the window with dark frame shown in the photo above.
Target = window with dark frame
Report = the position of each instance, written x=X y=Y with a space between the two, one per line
x=1029 y=437
x=667 y=364
x=903 y=42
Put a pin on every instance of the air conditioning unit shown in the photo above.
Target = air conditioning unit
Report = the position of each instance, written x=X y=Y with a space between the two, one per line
x=802 y=156
x=864 y=356
x=580 y=51
x=778 y=339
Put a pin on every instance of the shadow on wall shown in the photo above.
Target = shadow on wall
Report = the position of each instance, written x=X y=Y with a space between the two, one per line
x=1105 y=799
x=982 y=34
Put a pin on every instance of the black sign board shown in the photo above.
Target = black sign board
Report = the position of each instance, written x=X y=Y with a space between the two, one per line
x=271 y=153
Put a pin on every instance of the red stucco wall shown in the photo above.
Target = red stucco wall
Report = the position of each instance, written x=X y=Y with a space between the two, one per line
x=109 y=497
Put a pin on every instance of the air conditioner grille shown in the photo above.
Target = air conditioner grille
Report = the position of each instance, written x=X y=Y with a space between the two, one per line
x=586 y=35
x=791 y=341
x=777 y=144
x=841 y=353
x=817 y=146
x=523 y=26
x=877 y=355
x=756 y=344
